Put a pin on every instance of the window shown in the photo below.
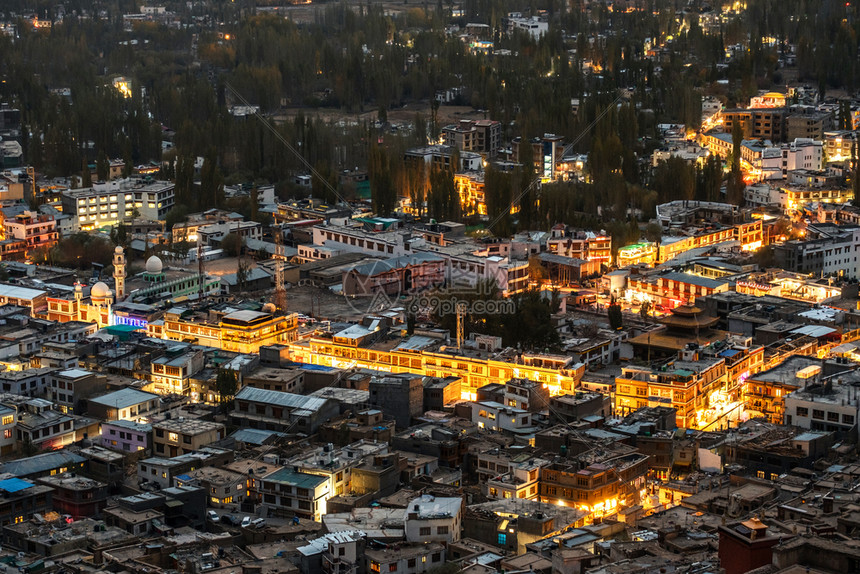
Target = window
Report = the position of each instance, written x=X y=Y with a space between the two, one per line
x=760 y=474
x=186 y=439
x=817 y=414
x=424 y=531
x=833 y=417
x=441 y=530
x=503 y=539
x=392 y=567
x=802 y=412
x=436 y=557
x=411 y=563
x=374 y=566
x=342 y=551
x=846 y=419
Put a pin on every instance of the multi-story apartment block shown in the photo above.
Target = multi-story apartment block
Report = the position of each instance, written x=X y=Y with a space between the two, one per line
x=586 y=245
x=839 y=145
x=766 y=391
x=30 y=231
x=828 y=405
x=686 y=386
x=470 y=188
x=514 y=480
x=287 y=493
x=600 y=488
x=482 y=136
x=240 y=331
x=109 y=203
x=827 y=250
x=336 y=464
x=495 y=416
x=125 y=435
x=173 y=437
x=462 y=265
x=673 y=289
x=171 y=374
x=275 y=410
x=434 y=519
x=762 y=123
x=476 y=368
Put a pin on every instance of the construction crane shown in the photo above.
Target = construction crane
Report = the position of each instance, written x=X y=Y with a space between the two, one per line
x=280 y=291
x=461 y=318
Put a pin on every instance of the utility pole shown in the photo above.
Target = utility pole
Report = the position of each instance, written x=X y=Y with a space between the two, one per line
x=280 y=291
x=200 y=276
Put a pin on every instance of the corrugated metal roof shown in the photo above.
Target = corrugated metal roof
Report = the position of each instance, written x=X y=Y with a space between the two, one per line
x=281 y=399
x=19 y=292
x=40 y=463
x=254 y=436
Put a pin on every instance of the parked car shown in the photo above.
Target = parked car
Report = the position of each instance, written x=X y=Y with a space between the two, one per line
x=227 y=519
x=259 y=522
x=246 y=522
x=213 y=516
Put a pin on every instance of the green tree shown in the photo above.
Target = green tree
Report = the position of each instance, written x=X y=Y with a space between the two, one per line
x=86 y=175
x=382 y=190
x=119 y=235
x=616 y=317
x=232 y=244
x=227 y=386
x=102 y=167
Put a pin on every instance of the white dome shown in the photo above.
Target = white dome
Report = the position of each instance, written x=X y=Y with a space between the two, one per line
x=153 y=265
x=100 y=291
x=118 y=249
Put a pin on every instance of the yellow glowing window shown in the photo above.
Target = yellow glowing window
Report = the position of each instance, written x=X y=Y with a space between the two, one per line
x=8 y=419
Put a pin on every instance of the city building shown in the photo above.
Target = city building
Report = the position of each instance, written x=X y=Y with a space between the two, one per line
x=173 y=437
x=279 y=411
x=30 y=231
x=107 y=204
x=287 y=493
x=434 y=519
x=482 y=136
x=126 y=435
x=125 y=404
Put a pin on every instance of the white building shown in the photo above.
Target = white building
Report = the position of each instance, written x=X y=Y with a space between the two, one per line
x=830 y=406
x=434 y=519
x=498 y=417
x=106 y=204
x=534 y=26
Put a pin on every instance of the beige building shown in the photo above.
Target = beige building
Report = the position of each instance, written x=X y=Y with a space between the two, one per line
x=181 y=436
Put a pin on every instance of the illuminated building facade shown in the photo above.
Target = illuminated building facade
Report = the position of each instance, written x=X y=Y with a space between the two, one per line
x=686 y=386
x=749 y=235
x=599 y=489
x=240 y=331
x=476 y=369
x=97 y=308
x=470 y=188
x=583 y=245
x=107 y=204
x=638 y=253
x=764 y=393
x=171 y=374
x=673 y=289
